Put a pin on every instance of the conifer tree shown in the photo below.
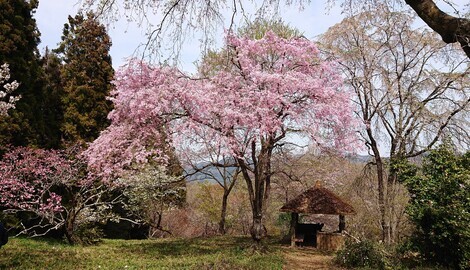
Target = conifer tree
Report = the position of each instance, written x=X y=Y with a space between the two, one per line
x=86 y=75
x=52 y=104
x=19 y=38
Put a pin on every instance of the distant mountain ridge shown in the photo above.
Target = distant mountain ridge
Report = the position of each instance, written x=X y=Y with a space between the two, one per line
x=211 y=173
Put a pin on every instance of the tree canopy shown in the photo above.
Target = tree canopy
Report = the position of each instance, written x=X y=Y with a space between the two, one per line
x=275 y=86
x=19 y=38
x=180 y=18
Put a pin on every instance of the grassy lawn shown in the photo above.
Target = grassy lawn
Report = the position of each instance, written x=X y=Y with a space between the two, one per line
x=200 y=253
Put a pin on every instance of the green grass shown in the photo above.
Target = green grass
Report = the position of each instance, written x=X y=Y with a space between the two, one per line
x=200 y=253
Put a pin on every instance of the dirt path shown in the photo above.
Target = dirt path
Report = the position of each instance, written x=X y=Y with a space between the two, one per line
x=307 y=258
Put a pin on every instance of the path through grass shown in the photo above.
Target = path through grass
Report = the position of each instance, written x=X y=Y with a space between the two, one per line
x=307 y=259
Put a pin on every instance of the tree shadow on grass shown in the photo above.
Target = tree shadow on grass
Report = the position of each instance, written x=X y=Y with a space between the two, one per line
x=194 y=246
x=167 y=248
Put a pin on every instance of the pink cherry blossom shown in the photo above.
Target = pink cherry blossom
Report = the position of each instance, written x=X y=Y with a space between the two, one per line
x=27 y=176
x=272 y=87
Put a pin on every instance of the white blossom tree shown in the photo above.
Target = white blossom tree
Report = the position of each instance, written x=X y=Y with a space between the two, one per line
x=411 y=91
x=7 y=99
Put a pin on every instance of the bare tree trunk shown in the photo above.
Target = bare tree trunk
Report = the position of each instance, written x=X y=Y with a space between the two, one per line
x=70 y=227
x=392 y=195
x=380 y=186
x=227 y=190
x=258 y=230
x=223 y=213
x=258 y=187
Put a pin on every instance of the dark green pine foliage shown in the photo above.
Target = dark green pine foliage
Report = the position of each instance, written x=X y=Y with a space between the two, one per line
x=52 y=103
x=86 y=74
x=19 y=38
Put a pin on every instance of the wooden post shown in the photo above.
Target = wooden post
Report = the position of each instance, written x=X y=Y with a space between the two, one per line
x=342 y=223
x=293 y=224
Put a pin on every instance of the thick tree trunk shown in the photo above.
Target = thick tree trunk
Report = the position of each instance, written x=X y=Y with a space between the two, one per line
x=451 y=29
x=256 y=184
x=258 y=230
x=257 y=176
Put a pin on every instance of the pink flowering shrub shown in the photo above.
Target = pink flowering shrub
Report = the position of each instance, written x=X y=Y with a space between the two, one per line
x=53 y=188
x=27 y=177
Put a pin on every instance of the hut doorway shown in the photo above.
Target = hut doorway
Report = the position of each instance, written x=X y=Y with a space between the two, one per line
x=304 y=234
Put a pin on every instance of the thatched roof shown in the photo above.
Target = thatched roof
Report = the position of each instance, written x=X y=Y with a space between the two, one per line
x=318 y=200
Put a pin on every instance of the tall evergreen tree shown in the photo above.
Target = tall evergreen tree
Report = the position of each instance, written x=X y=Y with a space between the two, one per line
x=86 y=74
x=19 y=38
x=52 y=103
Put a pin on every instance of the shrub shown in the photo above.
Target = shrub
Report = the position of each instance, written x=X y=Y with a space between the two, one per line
x=88 y=234
x=439 y=207
x=362 y=254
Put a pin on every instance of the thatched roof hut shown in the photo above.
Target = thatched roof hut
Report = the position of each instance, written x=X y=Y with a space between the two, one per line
x=318 y=200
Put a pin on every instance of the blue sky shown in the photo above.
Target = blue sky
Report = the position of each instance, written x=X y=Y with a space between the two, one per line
x=126 y=37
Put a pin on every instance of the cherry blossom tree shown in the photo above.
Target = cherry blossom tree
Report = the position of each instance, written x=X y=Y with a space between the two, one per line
x=27 y=178
x=210 y=160
x=269 y=89
x=8 y=87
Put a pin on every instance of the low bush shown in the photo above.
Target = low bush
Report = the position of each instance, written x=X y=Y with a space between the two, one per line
x=362 y=254
x=88 y=235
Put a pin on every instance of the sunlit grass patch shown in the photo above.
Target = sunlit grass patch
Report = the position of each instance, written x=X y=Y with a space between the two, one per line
x=198 y=253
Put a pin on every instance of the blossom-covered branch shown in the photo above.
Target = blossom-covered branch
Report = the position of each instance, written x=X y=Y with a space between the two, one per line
x=7 y=100
x=53 y=187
